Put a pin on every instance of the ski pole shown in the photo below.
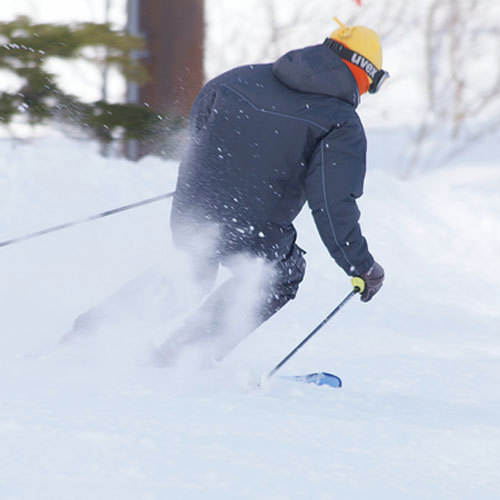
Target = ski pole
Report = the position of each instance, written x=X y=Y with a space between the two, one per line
x=359 y=286
x=86 y=219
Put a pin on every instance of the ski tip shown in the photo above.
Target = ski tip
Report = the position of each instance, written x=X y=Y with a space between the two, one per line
x=318 y=378
x=324 y=378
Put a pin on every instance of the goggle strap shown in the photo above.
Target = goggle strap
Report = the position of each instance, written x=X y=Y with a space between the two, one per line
x=355 y=58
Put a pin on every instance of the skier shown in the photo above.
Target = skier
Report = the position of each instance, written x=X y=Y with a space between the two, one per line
x=265 y=139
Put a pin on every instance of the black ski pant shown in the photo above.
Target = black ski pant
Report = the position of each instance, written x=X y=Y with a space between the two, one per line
x=231 y=312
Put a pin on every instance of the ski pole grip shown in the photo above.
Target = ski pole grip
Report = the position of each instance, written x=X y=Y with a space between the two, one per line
x=358 y=284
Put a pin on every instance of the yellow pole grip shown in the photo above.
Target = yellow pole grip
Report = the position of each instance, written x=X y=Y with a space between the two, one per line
x=358 y=284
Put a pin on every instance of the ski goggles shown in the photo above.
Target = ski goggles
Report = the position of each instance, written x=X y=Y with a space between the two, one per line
x=378 y=76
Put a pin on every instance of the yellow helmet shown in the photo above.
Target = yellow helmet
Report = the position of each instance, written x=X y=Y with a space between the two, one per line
x=362 y=40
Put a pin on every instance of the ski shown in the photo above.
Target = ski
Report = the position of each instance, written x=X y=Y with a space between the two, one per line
x=320 y=378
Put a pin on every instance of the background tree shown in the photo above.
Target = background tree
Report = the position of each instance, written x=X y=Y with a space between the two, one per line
x=174 y=33
x=26 y=50
x=462 y=78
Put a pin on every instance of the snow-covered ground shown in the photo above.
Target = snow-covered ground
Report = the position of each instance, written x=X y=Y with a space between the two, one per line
x=418 y=416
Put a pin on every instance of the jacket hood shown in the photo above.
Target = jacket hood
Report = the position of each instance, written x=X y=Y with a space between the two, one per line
x=317 y=70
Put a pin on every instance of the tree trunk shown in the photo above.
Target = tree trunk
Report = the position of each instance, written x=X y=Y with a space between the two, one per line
x=174 y=34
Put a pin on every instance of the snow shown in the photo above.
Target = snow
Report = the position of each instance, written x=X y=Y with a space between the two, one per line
x=418 y=416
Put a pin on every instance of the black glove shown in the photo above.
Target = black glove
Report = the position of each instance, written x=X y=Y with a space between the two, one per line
x=373 y=279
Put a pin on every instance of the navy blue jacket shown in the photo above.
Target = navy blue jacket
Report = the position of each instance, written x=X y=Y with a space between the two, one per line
x=264 y=140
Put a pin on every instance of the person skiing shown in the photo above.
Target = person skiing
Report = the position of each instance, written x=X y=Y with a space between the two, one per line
x=266 y=139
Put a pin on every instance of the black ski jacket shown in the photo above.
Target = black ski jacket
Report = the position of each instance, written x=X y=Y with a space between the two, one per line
x=264 y=140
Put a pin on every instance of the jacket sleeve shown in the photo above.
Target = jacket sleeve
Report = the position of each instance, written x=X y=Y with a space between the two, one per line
x=334 y=181
x=202 y=107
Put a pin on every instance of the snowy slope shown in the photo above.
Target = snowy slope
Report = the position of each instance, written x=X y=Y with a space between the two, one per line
x=418 y=416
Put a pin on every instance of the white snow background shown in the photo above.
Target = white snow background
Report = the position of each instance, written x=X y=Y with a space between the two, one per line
x=418 y=416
